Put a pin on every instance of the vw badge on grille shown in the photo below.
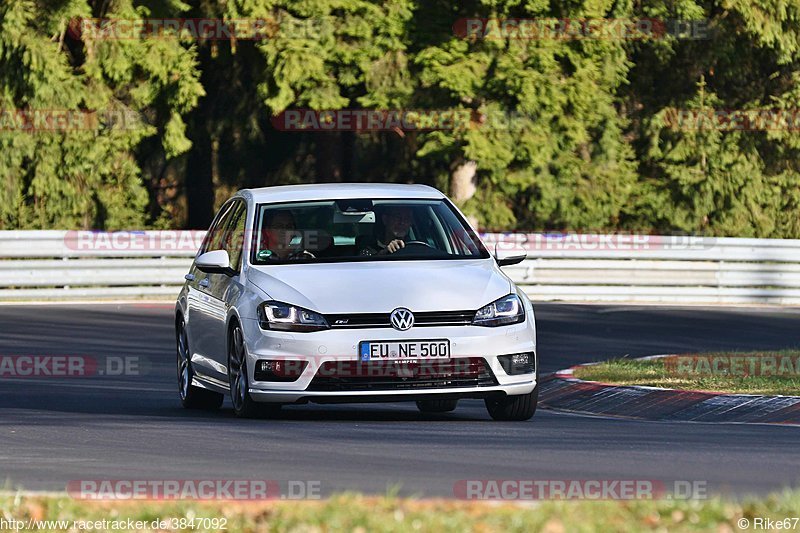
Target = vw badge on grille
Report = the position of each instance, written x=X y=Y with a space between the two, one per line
x=402 y=319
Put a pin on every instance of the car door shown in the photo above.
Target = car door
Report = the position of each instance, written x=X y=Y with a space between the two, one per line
x=202 y=308
x=223 y=289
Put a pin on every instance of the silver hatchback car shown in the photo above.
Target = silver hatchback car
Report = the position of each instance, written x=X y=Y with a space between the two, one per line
x=352 y=293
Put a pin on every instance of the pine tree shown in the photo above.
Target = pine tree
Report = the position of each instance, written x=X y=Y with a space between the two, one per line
x=121 y=91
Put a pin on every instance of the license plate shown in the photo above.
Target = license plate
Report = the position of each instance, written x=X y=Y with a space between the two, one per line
x=389 y=350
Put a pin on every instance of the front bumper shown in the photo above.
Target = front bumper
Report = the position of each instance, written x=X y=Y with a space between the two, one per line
x=283 y=396
x=321 y=347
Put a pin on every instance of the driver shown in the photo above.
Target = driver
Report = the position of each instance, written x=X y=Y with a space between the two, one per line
x=396 y=222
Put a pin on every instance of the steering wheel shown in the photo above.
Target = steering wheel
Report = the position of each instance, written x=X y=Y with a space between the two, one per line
x=419 y=243
x=418 y=248
x=302 y=254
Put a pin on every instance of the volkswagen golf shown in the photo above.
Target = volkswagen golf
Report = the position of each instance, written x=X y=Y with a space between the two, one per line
x=352 y=293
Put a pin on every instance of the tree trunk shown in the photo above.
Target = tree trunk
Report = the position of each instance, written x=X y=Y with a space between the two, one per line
x=199 y=184
x=329 y=157
x=463 y=183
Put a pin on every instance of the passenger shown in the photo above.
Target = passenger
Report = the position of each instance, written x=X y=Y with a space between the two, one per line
x=279 y=229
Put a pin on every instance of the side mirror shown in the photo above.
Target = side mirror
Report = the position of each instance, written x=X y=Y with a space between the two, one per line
x=216 y=262
x=507 y=257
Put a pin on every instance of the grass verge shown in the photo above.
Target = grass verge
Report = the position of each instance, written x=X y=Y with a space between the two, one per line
x=770 y=373
x=356 y=513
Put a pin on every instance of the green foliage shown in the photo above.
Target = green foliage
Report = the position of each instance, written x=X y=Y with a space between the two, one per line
x=330 y=54
x=574 y=134
x=119 y=91
x=705 y=177
x=552 y=141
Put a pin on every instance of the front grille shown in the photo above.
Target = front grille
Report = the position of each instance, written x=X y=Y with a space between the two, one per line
x=381 y=320
x=350 y=376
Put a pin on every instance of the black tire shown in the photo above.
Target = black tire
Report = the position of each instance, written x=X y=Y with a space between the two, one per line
x=514 y=408
x=436 y=406
x=243 y=404
x=192 y=397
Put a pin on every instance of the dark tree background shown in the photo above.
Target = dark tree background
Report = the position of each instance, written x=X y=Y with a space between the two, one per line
x=563 y=133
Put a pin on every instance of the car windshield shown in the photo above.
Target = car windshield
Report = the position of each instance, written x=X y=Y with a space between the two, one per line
x=362 y=230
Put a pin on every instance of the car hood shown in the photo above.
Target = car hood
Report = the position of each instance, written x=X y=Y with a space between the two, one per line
x=379 y=287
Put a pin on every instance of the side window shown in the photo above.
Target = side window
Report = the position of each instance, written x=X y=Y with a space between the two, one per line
x=234 y=240
x=216 y=234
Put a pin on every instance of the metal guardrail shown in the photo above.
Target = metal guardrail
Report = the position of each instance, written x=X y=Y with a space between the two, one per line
x=572 y=267
x=648 y=268
x=53 y=264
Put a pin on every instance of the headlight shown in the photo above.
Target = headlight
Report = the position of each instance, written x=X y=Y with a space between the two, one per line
x=284 y=317
x=506 y=310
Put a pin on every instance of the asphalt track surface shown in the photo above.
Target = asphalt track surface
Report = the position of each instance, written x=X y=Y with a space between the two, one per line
x=53 y=431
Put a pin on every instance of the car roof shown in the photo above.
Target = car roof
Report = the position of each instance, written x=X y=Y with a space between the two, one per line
x=339 y=191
